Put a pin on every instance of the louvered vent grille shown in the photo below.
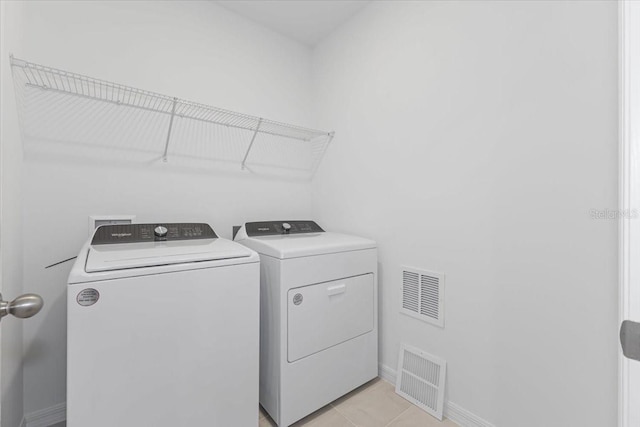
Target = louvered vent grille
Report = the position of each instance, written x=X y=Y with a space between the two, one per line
x=430 y=296
x=423 y=295
x=421 y=379
x=422 y=368
x=411 y=291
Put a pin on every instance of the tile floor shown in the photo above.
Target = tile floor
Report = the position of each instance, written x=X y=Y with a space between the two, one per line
x=375 y=404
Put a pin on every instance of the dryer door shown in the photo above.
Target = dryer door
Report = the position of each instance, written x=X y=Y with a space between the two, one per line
x=326 y=314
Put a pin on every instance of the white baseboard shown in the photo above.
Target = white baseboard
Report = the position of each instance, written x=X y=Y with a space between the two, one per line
x=386 y=373
x=454 y=412
x=46 y=417
x=462 y=417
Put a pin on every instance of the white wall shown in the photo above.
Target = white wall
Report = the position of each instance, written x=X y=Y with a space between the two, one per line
x=11 y=374
x=473 y=138
x=193 y=50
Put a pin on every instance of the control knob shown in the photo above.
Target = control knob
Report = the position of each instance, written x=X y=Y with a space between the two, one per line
x=286 y=227
x=160 y=231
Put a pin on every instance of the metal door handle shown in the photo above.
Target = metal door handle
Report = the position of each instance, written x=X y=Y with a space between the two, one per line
x=630 y=339
x=24 y=306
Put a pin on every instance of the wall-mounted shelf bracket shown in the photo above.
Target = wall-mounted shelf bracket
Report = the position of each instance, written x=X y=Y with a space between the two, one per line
x=253 y=138
x=330 y=136
x=173 y=114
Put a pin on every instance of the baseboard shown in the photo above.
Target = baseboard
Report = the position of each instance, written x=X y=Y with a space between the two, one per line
x=386 y=373
x=462 y=417
x=46 y=417
x=454 y=412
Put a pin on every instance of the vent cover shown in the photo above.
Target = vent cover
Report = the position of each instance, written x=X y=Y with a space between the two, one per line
x=421 y=379
x=423 y=295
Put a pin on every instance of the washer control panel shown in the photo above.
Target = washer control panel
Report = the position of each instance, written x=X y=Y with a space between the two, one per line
x=270 y=228
x=135 y=233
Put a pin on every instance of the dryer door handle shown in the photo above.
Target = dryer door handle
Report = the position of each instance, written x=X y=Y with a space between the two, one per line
x=338 y=289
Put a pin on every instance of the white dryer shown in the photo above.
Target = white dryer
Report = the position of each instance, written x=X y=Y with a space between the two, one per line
x=318 y=315
x=162 y=329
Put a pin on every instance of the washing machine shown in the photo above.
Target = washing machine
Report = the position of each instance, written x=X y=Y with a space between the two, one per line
x=162 y=329
x=318 y=315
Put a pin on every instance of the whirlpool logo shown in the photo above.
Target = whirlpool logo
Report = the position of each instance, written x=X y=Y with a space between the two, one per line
x=120 y=234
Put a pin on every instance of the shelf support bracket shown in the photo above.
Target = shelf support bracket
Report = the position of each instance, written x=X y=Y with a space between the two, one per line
x=253 y=138
x=317 y=163
x=166 y=145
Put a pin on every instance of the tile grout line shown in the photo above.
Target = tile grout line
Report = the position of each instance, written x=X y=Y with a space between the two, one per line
x=399 y=415
x=343 y=415
x=376 y=385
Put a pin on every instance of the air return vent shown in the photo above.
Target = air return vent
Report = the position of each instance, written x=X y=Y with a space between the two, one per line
x=421 y=379
x=423 y=295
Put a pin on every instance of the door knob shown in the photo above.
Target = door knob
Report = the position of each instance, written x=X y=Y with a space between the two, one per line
x=630 y=339
x=24 y=306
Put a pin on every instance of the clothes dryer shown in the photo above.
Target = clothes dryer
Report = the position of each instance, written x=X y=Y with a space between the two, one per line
x=318 y=315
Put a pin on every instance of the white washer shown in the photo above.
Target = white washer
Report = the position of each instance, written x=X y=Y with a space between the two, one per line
x=318 y=315
x=162 y=329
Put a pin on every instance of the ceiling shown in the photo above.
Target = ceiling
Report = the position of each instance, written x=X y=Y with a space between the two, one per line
x=307 y=21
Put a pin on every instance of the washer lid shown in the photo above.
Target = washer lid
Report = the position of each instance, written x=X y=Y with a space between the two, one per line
x=120 y=256
x=299 y=245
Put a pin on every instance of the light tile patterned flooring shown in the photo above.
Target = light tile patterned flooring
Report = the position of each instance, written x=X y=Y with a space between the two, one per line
x=375 y=404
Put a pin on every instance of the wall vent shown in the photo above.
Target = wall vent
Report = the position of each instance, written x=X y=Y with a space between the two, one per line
x=96 y=221
x=423 y=295
x=421 y=379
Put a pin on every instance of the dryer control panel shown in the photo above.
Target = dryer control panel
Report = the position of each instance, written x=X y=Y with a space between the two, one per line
x=136 y=233
x=269 y=228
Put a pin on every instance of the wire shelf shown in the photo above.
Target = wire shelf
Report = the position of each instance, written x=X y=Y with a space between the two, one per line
x=88 y=113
